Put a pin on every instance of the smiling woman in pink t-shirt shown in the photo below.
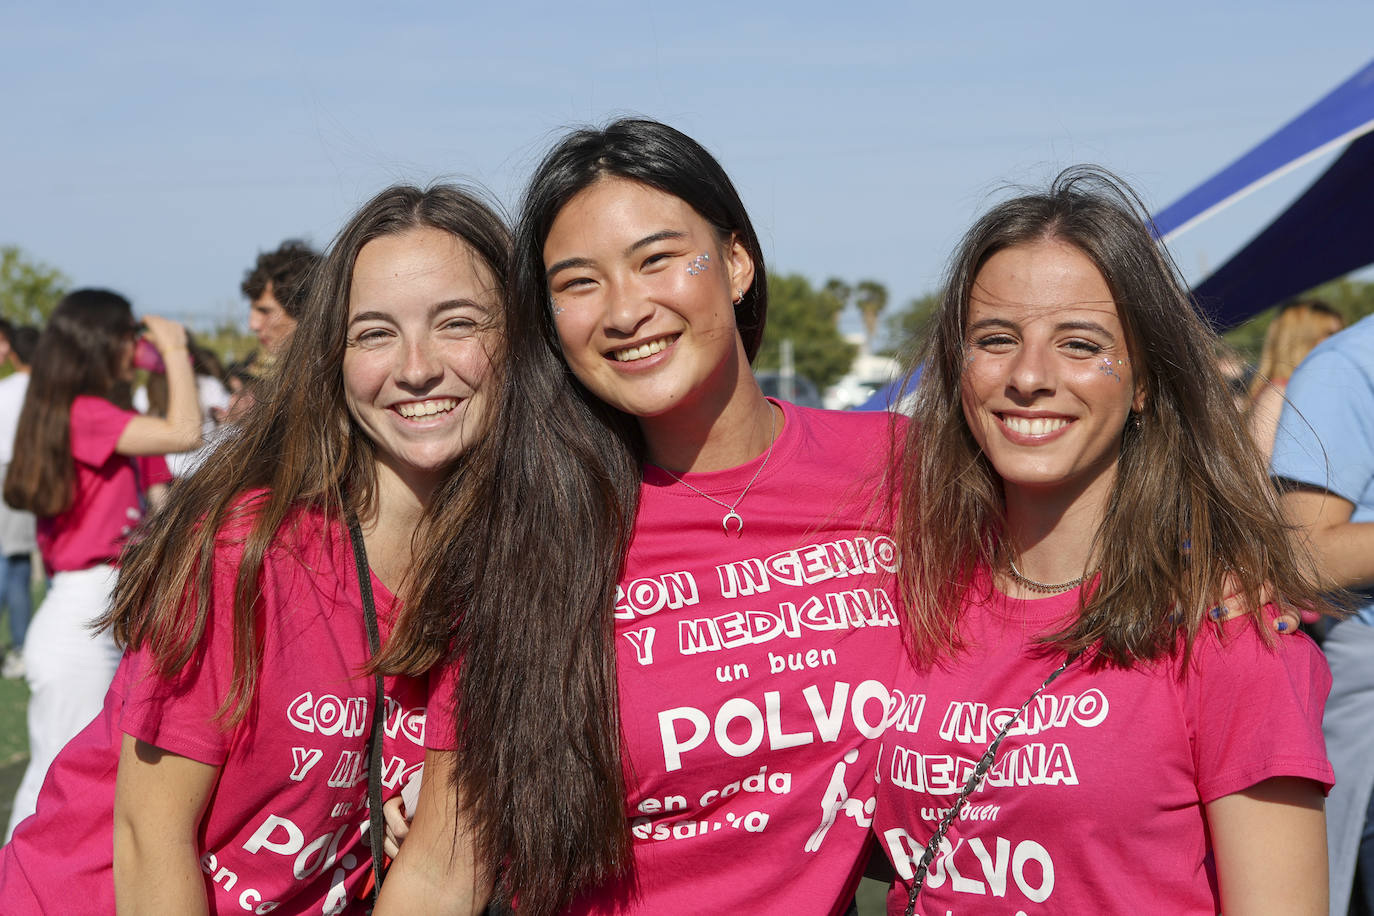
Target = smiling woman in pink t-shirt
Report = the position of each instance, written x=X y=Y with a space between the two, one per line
x=79 y=467
x=229 y=770
x=671 y=596
x=1074 y=734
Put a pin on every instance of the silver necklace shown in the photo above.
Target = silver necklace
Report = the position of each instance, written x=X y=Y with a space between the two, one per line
x=1043 y=587
x=730 y=512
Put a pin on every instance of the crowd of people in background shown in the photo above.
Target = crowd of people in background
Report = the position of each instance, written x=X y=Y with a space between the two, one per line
x=390 y=586
x=97 y=453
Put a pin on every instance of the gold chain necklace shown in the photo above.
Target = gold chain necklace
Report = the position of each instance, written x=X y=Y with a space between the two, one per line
x=1045 y=588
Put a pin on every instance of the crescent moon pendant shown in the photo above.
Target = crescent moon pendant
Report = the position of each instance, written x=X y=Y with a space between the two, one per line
x=739 y=522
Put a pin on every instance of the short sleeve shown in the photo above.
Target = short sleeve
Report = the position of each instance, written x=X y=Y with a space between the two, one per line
x=1325 y=435
x=180 y=713
x=440 y=711
x=1255 y=712
x=96 y=426
x=152 y=470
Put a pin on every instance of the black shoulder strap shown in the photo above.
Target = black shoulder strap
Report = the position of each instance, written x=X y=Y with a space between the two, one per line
x=376 y=823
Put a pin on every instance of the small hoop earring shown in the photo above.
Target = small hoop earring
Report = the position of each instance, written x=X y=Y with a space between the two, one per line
x=739 y=296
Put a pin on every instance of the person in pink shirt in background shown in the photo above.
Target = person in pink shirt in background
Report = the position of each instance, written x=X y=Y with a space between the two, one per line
x=82 y=465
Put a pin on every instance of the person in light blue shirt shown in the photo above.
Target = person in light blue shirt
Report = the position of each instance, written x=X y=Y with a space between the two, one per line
x=1324 y=460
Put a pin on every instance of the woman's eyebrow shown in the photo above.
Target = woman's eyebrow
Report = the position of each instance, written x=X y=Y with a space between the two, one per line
x=565 y=264
x=661 y=235
x=993 y=323
x=1079 y=325
x=449 y=304
x=1082 y=325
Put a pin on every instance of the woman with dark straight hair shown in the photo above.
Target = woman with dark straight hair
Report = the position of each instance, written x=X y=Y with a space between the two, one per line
x=695 y=581
x=229 y=769
x=83 y=464
x=1076 y=735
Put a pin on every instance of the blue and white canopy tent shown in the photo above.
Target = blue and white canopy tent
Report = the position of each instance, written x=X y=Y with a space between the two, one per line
x=1326 y=233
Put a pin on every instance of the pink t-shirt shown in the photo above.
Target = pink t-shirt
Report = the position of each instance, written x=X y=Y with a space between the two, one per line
x=285 y=830
x=1095 y=802
x=754 y=674
x=152 y=470
x=106 y=502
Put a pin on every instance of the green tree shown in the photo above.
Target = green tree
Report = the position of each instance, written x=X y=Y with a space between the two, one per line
x=229 y=342
x=809 y=318
x=840 y=291
x=29 y=291
x=870 y=297
x=906 y=328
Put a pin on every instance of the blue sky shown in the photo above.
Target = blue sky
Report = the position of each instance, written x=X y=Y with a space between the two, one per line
x=155 y=149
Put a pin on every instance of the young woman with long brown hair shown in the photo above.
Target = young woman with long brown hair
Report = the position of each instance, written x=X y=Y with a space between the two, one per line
x=1295 y=330
x=82 y=466
x=1074 y=734
x=228 y=771
x=699 y=735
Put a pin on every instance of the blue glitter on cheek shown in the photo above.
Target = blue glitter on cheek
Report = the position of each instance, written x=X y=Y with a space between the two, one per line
x=1108 y=366
x=699 y=264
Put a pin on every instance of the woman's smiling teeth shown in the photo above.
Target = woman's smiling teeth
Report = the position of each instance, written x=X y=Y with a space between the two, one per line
x=1033 y=426
x=414 y=409
x=643 y=350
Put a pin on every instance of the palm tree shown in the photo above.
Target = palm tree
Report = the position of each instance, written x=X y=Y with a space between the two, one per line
x=841 y=292
x=870 y=298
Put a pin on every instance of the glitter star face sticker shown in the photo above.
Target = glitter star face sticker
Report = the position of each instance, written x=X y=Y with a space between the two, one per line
x=699 y=264
x=1110 y=365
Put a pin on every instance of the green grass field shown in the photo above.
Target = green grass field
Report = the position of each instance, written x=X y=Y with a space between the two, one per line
x=14 y=729
x=14 y=733
x=872 y=898
x=14 y=742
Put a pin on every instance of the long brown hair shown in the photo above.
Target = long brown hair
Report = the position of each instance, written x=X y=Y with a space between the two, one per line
x=297 y=447
x=535 y=536
x=1295 y=330
x=79 y=353
x=1191 y=502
